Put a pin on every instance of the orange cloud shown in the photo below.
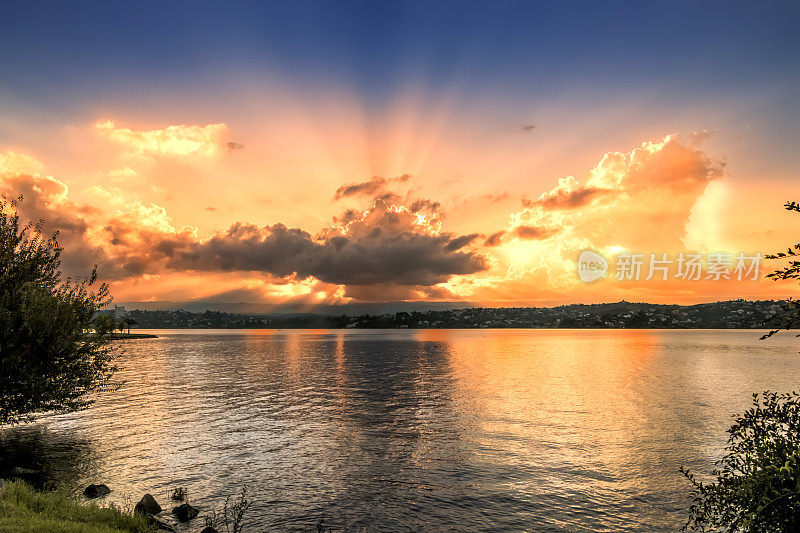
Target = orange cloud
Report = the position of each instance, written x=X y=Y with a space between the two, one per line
x=654 y=199
x=662 y=196
x=371 y=187
x=180 y=140
x=15 y=163
x=391 y=246
x=636 y=200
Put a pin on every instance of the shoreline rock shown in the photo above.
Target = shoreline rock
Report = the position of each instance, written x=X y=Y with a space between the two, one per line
x=147 y=506
x=185 y=512
x=96 y=490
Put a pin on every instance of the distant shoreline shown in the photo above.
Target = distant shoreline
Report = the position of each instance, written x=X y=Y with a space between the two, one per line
x=610 y=328
x=124 y=336
x=734 y=314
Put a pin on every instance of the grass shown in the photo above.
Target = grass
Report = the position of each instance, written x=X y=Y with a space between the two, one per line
x=25 y=510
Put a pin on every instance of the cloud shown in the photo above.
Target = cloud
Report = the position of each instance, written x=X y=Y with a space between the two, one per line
x=637 y=200
x=46 y=199
x=12 y=163
x=382 y=245
x=533 y=232
x=389 y=246
x=568 y=194
x=423 y=204
x=640 y=201
x=179 y=140
x=655 y=198
x=459 y=242
x=371 y=187
x=124 y=238
x=494 y=239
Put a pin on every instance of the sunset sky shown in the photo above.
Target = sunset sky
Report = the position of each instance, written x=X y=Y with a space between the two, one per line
x=310 y=154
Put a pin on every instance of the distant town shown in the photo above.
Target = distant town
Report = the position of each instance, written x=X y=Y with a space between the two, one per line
x=734 y=314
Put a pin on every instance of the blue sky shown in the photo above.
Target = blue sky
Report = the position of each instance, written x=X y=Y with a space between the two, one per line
x=66 y=51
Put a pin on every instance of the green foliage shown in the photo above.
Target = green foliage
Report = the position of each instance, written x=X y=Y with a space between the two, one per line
x=757 y=486
x=789 y=317
x=23 y=509
x=48 y=362
x=792 y=269
x=104 y=324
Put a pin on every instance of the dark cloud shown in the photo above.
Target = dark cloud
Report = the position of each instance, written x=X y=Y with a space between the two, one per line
x=532 y=232
x=386 y=245
x=494 y=239
x=389 y=292
x=460 y=242
x=379 y=255
x=372 y=187
x=567 y=199
x=232 y=146
x=528 y=127
x=423 y=204
x=389 y=198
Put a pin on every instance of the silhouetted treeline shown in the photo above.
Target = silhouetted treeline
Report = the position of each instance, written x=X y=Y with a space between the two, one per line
x=719 y=315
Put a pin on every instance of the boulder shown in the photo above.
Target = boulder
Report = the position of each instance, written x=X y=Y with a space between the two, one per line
x=147 y=505
x=185 y=512
x=159 y=524
x=209 y=529
x=95 y=491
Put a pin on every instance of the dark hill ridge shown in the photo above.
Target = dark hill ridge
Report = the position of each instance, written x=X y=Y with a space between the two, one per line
x=734 y=314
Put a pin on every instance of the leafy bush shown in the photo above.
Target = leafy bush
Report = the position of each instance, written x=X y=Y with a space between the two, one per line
x=757 y=486
x=48 y=362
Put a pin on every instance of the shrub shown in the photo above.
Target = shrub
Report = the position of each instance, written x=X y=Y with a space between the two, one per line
x=757 y=485
x=48 y=361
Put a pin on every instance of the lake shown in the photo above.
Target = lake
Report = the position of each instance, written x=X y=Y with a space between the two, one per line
x=424 y=430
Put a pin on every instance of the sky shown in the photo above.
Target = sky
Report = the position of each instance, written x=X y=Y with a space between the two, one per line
x=307 y=154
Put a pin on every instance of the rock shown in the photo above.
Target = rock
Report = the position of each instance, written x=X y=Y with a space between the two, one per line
x=95 y=491
x=185 y=512
x=209 y=529
x=159 y=524
x=147 y=505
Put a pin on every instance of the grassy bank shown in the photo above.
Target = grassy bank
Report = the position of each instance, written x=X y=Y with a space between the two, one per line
x=23 y=509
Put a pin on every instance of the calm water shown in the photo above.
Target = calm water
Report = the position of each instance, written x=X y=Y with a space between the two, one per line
x=398 y=430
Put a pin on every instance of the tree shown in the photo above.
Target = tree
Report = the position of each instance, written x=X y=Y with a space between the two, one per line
x=757 y=485
x=104 y=324
x=48 y=361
